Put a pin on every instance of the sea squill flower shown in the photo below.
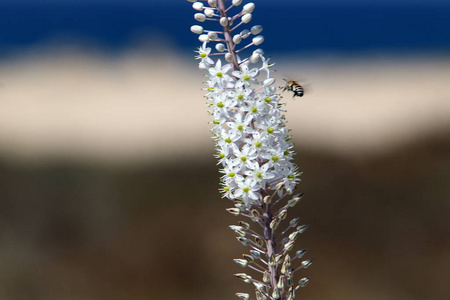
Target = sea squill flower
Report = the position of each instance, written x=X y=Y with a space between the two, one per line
x=253 y=146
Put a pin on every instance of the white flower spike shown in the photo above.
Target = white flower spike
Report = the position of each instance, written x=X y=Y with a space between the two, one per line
x=253 y=146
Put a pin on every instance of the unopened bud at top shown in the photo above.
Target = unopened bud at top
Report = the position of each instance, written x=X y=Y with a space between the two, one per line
x=258 y=40
x=197 y=29
x=223 y=21
x=200 y=17
x=248 y=8
x=198 y=6
x=209 y=12
x=212 y=3
x=256 y=29
x=237 y=39
x=203 y=38
x=246 y=18
x=212 y=36
x=237 y=2
x=191 y=0
x=220 y=47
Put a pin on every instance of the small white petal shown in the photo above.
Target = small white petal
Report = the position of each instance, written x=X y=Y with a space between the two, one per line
x=256 y=29
x=197 y=29
x=198 y=6
x=237 y=39
x=200 y=17
x=258 y=40
x=248 y=8
x=220 y=47
x=246 y=18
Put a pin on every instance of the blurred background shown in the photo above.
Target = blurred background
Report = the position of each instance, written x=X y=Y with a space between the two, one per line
x=108 y=187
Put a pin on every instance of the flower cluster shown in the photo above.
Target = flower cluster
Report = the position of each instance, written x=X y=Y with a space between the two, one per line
x=253 y=146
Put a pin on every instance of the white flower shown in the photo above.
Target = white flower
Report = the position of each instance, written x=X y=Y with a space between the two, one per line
x=248 y=190
x=219 y=73
x=246 y=76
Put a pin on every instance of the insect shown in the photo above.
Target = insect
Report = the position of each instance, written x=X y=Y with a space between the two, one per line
x=295 y=87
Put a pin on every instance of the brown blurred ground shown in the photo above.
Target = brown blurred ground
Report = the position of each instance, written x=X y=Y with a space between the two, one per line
x=109 y=190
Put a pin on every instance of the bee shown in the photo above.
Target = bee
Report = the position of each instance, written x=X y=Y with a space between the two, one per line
x=295 y=87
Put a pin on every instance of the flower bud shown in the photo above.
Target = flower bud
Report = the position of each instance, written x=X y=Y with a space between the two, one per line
x=234 y=211
x=254 y=58
x=244 y=225
x=294 y=222
x=241 y=262
x=220 y=47
x=259 y=51
x=276 y=294
x=212 y=3
x=269 y=81
x=198 y=6
x=237 y=2
x=302 y=228
x=246 y=18
x=223 y=21
x=258 y=40
x=248 y=8
x=257 y=29
x=266 y=277
x=209 y=12
x=228 y=57
x=303 y=282
x=255 y=254
x=260 y=296
x=248 y=257
x=306 y=263
x=300 y=253
x=212 y=36
x=267 y=199
x=244 y=33
x=203 y=38
x=280 y=284
x=237 y=39
x=200 y=17
x=197 y=29
x=191 y=0
x=242 y=240
x=243 y=296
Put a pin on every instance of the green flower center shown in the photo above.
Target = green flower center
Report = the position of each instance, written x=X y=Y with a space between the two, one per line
x=269 y=130
x=243 y=158
x=267 y=99
x=221 y=155
x=246 y=77
x=275 y=158
x=246 y=190
x=254 y=109
x=228 y=140
x=240 y=127
x=220 y=104
x=231 y=174
x=211 y=89
x=203 y=55
x=258 y=144
x=219 y=74
x=259 y=175
x=287 y=152
x=240 y=97
x=291 y=177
